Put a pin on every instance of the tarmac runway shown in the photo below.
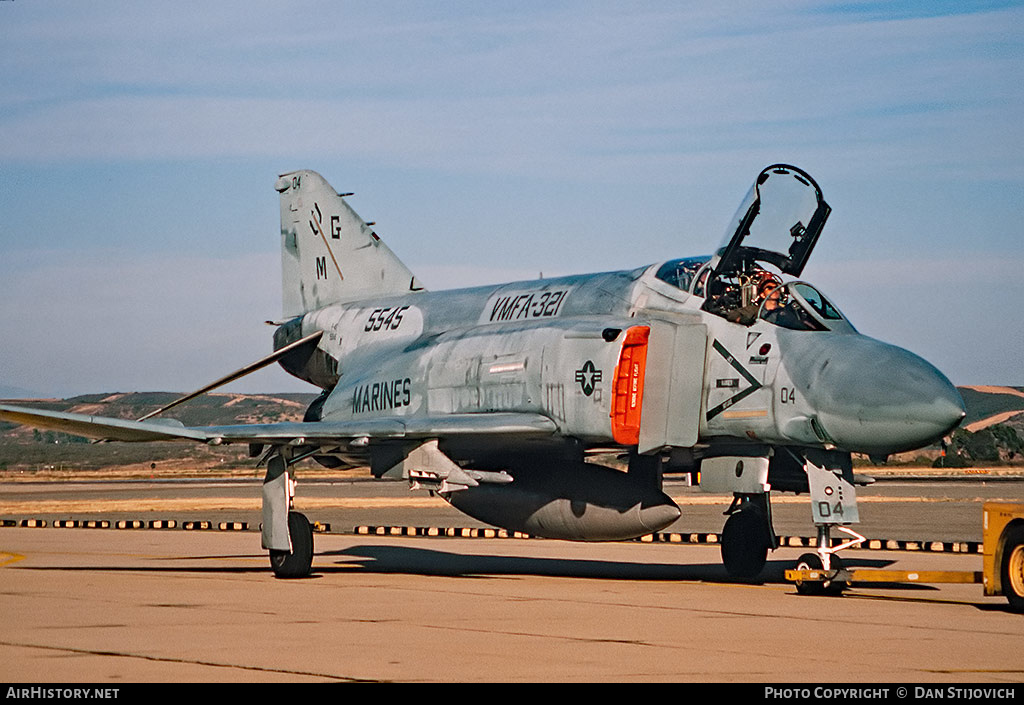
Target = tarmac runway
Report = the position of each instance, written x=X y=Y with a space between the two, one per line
x=109 y=605
x=947 y=510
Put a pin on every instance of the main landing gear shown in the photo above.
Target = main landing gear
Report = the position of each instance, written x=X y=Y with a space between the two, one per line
x=747 y=536
x=287 y=535
x=297 y=562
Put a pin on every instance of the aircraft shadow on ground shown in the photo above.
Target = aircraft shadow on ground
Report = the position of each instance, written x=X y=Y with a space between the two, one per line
x=391 y=559
x=379 y=558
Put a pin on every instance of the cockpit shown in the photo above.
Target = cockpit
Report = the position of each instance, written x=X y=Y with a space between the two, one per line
x=771 y=235
x=756 y=295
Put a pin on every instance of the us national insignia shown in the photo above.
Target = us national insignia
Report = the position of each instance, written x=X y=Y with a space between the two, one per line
x=588 y=376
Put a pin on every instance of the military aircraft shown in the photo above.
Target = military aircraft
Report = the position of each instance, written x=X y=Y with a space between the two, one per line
x=498 y=398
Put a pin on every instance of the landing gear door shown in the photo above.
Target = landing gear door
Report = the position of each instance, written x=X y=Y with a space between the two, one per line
x=833 y=499
x=673 y=384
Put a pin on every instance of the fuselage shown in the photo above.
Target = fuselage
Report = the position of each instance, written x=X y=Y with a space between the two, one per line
x=586 y=350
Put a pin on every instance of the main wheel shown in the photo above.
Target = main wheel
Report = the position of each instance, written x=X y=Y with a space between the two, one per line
x=745 y=543
x=1011 y=568
x=812 y=561
x=297 y=562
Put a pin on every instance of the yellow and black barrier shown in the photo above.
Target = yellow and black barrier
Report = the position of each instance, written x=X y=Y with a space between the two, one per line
x=960 y=547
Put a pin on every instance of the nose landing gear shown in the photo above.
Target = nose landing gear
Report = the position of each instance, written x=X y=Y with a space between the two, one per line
x=828 y=576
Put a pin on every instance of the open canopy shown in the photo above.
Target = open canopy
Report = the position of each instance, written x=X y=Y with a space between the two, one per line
x=778 y=222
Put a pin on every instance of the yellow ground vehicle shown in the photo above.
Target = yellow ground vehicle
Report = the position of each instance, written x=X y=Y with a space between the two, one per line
x=1003 y=566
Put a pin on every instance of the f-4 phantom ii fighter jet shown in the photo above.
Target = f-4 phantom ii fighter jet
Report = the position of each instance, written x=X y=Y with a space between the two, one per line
x=497 y=398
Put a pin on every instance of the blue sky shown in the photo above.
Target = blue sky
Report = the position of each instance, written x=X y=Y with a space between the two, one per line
x=139 y=144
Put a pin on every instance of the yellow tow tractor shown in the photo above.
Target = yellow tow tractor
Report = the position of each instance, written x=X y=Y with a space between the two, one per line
x=1002 y=570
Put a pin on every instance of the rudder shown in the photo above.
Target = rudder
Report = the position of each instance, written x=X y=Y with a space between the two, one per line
x=328 y=253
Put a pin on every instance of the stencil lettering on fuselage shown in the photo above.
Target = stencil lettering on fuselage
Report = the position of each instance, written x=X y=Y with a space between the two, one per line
x=384 y=322
x=523 y=306
x=382 y=396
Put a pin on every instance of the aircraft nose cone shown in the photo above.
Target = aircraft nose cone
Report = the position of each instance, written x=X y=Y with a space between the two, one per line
x=876 y=398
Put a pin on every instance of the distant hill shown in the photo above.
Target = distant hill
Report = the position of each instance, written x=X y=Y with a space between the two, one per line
x=984 y=402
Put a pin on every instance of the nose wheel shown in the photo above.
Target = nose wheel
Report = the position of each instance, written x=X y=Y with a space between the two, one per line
x=827 y=577
x=828 y=586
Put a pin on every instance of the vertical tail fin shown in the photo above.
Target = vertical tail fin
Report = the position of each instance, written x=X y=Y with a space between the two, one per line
x=328 y=254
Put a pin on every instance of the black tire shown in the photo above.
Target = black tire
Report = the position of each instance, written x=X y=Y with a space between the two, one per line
x=298 y=562
x=1011 y=567
x=745 y=543
x=812 y=561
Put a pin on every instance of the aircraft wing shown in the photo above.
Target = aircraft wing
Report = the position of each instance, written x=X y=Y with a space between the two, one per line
x=296 y=433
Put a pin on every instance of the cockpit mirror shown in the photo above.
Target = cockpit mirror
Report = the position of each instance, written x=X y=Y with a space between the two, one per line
x=778 y=222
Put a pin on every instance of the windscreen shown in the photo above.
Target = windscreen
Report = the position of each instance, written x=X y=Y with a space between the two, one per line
x=799 y=306
x=817 y=302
